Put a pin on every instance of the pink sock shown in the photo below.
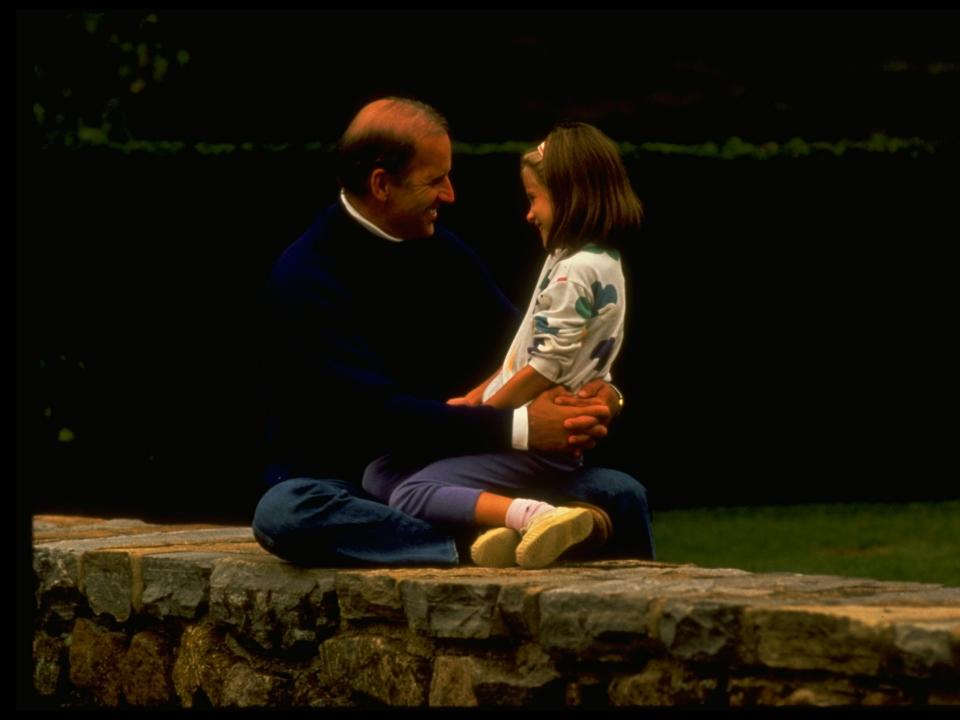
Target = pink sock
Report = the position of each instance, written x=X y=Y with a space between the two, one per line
x=522 y=511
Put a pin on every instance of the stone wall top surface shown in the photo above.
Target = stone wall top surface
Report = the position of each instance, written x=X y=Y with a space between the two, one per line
x=598 y=611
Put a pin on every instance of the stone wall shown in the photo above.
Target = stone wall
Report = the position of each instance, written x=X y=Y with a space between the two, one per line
x=131 y=614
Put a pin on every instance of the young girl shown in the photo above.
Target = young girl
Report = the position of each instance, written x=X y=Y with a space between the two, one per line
x=584 y=209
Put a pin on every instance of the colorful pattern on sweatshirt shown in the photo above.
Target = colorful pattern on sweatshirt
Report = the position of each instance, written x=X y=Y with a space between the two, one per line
x=573 y=328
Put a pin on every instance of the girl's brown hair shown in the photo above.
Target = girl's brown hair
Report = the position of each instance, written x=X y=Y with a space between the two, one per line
x=592 y=198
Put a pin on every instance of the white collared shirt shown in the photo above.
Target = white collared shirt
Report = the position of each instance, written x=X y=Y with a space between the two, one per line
x=363 y=221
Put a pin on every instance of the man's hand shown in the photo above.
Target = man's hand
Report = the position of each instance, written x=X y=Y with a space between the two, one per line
x=555 y=428
x=594 y=392
x=465 y=400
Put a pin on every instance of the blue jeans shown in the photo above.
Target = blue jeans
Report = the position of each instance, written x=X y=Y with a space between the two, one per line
x=334 y=523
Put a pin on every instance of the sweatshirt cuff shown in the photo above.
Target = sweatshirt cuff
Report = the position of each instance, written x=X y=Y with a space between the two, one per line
x=520 y=428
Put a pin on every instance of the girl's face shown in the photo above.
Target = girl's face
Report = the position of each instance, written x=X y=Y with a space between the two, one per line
x=541 y=207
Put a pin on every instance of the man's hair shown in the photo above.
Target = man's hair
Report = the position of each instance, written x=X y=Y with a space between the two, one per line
x=588 y=184
x=384 y=134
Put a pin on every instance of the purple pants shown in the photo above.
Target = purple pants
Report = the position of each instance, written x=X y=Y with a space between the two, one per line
x=446 y=491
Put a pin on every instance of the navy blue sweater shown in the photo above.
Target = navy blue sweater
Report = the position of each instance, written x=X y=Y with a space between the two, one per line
x=367 y=339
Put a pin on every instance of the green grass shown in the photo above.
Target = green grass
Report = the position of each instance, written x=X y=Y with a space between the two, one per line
x=886 y=541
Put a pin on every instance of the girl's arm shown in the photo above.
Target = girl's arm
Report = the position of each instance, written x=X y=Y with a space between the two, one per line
x=475 y=396
x=520 y=389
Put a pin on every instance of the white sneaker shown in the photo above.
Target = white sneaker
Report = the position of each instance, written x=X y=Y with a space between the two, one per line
x=551 y=534
x=496 y=548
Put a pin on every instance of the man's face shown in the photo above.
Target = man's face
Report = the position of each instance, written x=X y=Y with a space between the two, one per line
x=414 y=199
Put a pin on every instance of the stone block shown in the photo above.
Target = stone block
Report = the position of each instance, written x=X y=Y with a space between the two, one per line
x=519 y=607
x=811 y=638
x=276 y=605
x=452 y=682
x=664 y=683
x=908 y=594
x=202 y=664
x=453 y=609
x=609 y=621
x=206 y=664
x=108 y=583
x=55 y=569
x=146 y=671
x=930 y=646
x=809 y=690
x=418 y=645
x=372 y=666
x=799 y=587
x=854 y=639
x=95 y=655
x=47 y=658
x=57 y=574
x=941 y=696
x=314 y=688
x=244 y=687
x=372 y=595
x=530 y=679
x=176 y=584
x=700 y=630
x=53 y=528
x=162 y=536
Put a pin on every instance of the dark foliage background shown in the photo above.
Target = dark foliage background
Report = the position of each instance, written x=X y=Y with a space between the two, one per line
x=790 y=336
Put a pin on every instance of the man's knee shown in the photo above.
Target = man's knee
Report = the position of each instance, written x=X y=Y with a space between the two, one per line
x=332 y=523
x=282 y=510
x=614 y=486
x=270 y=514
x=627 y=487
x=376 y=481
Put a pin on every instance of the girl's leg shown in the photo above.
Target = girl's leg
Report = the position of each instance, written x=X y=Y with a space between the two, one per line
x=481 y=490
x=491 y=510
x=447 y=491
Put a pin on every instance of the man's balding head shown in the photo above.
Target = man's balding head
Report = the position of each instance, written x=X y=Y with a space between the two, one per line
x=384 y=134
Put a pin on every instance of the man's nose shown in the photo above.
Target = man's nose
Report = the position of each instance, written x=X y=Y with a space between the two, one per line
x=446 y=193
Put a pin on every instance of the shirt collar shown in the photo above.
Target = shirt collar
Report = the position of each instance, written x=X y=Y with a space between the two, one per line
x=363 y=221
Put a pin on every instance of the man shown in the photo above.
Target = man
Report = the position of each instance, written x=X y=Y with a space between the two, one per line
x=376 y=316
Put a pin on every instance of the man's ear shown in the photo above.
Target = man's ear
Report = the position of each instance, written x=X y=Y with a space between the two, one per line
x=379 y=182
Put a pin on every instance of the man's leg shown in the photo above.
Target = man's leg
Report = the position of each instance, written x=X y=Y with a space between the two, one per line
x=334 y=523
x=625 y=501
